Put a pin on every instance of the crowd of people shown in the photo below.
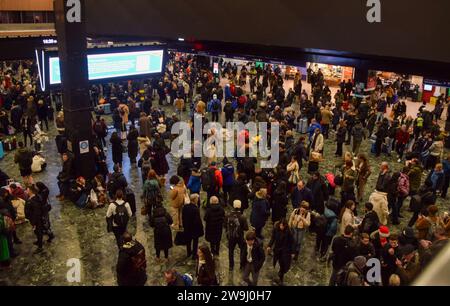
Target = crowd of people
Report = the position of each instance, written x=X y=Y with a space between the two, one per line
x=201 y=202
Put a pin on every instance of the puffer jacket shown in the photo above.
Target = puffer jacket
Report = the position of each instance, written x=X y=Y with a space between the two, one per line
x=380 y=205
x=176 y=195
x=194 y=182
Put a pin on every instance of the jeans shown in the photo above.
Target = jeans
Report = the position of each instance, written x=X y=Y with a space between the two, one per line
x=298 y=235
x=389 y=142
x=232 y=243
x=326 y=128
x=215 y=116
x=322 y=243
x=250 y=269
x=339 y=148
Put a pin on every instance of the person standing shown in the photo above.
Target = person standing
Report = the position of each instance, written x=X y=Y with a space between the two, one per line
x=214 y=219
x=43 y=193
x=34 y=212
x=282 y=243
x=27 y=127
x=162 y=234
x=358 y=134
x=301 y=193
x=252 y=258
x=228 y=178
x=117 y=149
x=299 y=222
x=24 y=158
x=101 y=130
x=235 y=226
x=344 y=250
x=42 y=113
x=131 y=265
x=214 y=107
x=177 y=195
x=192 y=225
x=364 y=171
x=327 y=115
x=133 y=146
x=206 y=270
x=260 y=212
x=117 y=216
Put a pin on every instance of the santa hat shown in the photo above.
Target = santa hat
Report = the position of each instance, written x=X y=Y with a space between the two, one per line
x=383 y=231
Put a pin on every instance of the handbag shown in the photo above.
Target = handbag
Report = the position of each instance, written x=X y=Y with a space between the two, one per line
x=294 y=177
x=180 y=238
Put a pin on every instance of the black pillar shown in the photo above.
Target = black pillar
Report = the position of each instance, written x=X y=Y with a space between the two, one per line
x=71 y=33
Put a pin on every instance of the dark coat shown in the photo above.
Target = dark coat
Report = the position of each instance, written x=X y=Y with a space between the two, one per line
x=34 y=211
x=279 y=205
x=370 y=223
x=282 y=243
x=161 y=221
x=320 y=193
x=344 y=250
x=117 y=149
x=239 y=191
x=260 y=212
x=298 y=196
x=133 y=146
x=192 y=222
x=126 y=276
x=258 y=255
x=214 y=218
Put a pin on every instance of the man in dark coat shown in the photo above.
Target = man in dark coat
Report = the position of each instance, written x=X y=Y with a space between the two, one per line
x=260 y=212
x=252 y=258
x=34 y=212
x=301 y=193
x=16 y=116
x=192 y=225
x=370 y=222
x=214 y=218
x=319 y=192
x=235 y=225
x=133 y=144
x=344 y=250
x=131 y=264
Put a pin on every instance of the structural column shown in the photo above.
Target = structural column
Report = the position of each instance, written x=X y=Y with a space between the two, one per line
x=72 y=50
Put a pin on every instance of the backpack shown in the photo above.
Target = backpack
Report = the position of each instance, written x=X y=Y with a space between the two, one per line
x=233 y=227
x=153 y=195
x=121 y=216
x=187 y=279
x=342 y=275
x=208 y=179
x=215 y=106
x=403 y=185
x=138 y=261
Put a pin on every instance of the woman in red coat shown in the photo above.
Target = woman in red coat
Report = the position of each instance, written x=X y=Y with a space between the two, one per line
x=401 y=138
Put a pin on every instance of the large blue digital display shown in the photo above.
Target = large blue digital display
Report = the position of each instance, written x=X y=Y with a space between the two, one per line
x=113 y=65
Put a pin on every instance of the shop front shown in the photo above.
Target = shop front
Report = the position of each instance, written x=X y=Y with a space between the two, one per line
x=333 y=75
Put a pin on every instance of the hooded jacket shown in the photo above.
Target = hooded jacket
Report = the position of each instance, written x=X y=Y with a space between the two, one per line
x=176 y=195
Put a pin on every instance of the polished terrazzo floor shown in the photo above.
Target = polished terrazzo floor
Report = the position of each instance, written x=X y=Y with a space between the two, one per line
x=82 y=234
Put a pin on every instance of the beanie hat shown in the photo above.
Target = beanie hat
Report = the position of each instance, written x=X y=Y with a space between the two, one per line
x=383 y=231
x=237 y=204
x=360 y=262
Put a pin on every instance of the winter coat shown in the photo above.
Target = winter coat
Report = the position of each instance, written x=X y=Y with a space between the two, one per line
x=24 y=158
x=161 y=221
x=380 y=205
x=331 y=228
x=258 y=255
x=228 y=175
x=214 y=218
x=145 y=126
x=126 y=274
x=415 y=177
x=176 y=195
x=320 y=194
x=318 y=145
x=340 y=135
x=194 y=183
x=133 y=144
x=117 y=149
x=370 y=223
x=298 y=196
x=344 y=250
x=143 y=142
x=239 y=191
x=34 y=211
x=260 y=212
x=282 y=244
x=358 y=133
x=192 y=222
x=279 y=205
x=348 y=218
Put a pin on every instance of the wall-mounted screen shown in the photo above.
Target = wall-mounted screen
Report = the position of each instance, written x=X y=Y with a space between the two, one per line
x=428 y=87
x=113 y=65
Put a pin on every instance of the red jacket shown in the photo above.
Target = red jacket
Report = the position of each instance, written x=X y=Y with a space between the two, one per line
x=218 y=176
x=402 y=137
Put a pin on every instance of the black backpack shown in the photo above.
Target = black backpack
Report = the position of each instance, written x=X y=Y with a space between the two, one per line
x=342 y=275
x=233 y=227
x=121 y=216
x=215 y=106
x=208 y=179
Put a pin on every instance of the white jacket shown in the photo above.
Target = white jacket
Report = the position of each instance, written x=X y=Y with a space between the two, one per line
x=38 y=161
x=380 y=205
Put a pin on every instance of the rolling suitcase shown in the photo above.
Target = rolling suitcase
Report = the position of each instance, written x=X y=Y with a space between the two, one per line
x=303 y=126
